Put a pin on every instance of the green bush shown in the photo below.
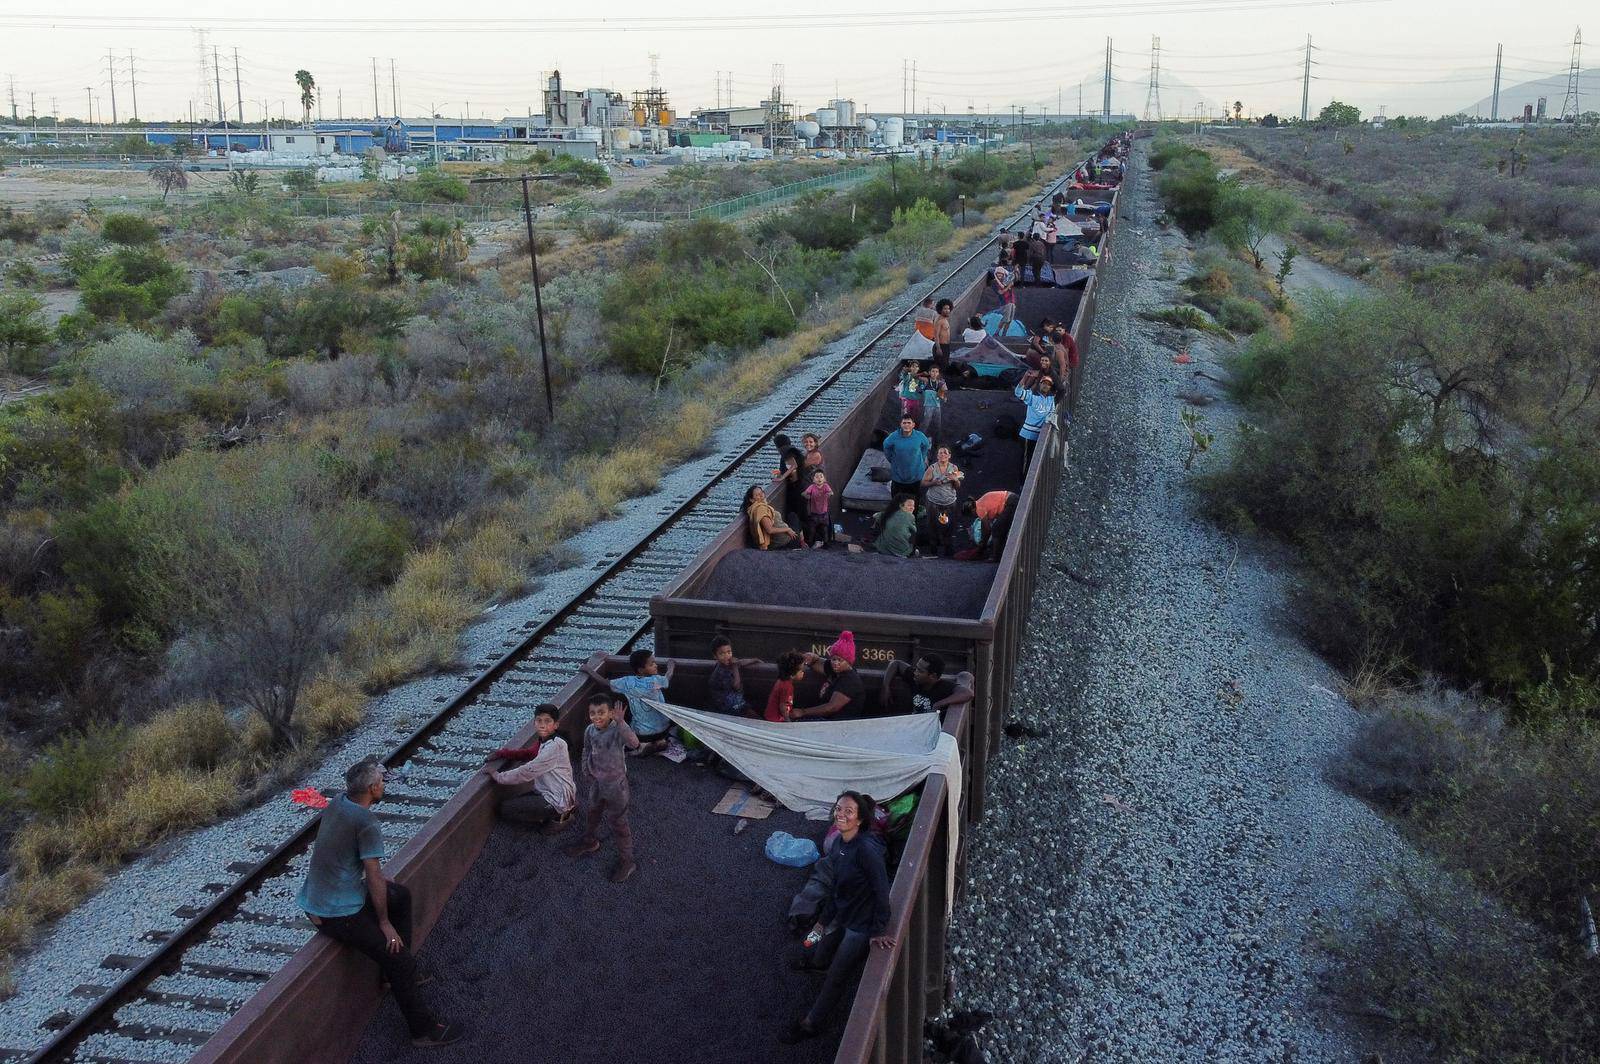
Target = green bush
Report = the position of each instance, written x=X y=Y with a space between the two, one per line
x=70 y=774
x=302 y=181
x=318 y=319
x=1191 y=191
x=918 y=229
x=1242 y=315
x=131 y=284
x=18 y=227
x=22 y=328
x=434 y=186
x=129 y=230
x=1425 y=540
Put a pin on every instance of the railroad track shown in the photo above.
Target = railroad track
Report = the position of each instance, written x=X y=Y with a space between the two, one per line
x=163 y=1006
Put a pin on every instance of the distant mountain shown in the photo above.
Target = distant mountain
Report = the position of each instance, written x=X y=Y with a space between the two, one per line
x=1553 y=89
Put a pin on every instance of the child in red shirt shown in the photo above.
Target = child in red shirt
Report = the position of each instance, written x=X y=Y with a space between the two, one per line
x=780 y=703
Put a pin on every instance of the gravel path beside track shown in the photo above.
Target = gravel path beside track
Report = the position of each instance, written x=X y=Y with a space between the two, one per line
x=1152 y=869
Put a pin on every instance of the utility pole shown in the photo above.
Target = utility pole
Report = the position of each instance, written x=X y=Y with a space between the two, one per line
x=394 y=92
x=913 y=86
x=376 y=114
x=1494 y=101
x=227 y=139
x=1107 y=111
x=133 y=84
x=341 y=105
x=1305 y=85
x=1569 y=106
x=11 y=83
x=238 y=91
x=90 y=91
x=905 y=66
x=533 y=259
x=111 y=76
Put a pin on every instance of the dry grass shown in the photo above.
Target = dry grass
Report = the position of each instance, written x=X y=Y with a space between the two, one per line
x=191 y=735
x=330 y=707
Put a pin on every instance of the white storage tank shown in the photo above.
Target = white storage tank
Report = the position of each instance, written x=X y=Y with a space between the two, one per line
x=846 y=110
x=621 y=139
x=869 y=125
x=894 y=131
x=592 y=134
x=827 y=117
x=807 y=129
x=635 y=138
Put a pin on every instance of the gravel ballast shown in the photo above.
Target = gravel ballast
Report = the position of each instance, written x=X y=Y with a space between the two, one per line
x=1154 y=866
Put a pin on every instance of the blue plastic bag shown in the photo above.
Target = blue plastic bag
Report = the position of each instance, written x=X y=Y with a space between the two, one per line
x=785 y=849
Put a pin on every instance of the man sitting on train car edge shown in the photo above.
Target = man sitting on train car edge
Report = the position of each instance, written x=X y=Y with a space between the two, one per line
x=348 y=899
x=922 y=687
x=843 y=693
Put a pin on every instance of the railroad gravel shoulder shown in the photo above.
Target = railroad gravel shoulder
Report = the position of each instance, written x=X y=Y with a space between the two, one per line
x=1155 y=865
x=138 y=906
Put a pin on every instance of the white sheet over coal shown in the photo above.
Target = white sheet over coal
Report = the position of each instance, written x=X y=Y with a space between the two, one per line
x=806 y=764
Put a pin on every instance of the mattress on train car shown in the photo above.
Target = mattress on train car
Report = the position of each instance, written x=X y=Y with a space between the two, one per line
x=862 y=492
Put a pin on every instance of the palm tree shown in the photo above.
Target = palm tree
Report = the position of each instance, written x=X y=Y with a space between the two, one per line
x=308 y=94
x=1238 y=110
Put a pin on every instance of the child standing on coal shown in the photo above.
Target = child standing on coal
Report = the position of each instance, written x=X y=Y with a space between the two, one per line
x=603 y=789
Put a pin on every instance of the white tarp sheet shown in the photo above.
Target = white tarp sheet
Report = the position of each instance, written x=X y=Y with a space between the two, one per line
x=806 y=764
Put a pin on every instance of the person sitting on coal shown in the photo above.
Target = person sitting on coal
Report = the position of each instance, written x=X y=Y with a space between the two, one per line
x=899 y=536
x=843 y=694
x=539 y=792
x=923 y=687
x=347 y=898
x=766 y=531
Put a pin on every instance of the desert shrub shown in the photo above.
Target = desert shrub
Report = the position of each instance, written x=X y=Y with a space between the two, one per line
x=18 y=226
x=1184 y=317
x=130 y=284
x=432 y=186
x=69 y=775
x=129 y=230
x=1191 y=191
x=59 y=448
x=22 y=328
x=1424 y=539
x=332 y=707
x=1462 y=975
x=318 y=319
x=143 y=373
x=23 y=273
x=1241 y=315
x=918 y=229
x=303 y=181
x=599 y=227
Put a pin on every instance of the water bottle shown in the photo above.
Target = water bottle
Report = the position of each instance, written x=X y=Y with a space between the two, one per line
x=838 y=529
x=812 y=939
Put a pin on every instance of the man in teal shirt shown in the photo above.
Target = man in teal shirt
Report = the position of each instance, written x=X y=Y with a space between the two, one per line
x=907 y=451
x=347 y=897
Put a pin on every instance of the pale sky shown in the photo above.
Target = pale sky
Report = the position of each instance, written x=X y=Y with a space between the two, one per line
x=1410 y=56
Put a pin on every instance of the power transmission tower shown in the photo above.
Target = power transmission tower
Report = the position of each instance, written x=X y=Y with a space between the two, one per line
x=1152 y=99
x=1305 y=84
x=1107 y=111
x=11 y=82
x=133 y=83
x=1569 y=106
x=111 y=76
x=1494 y=101
x=202 y=70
